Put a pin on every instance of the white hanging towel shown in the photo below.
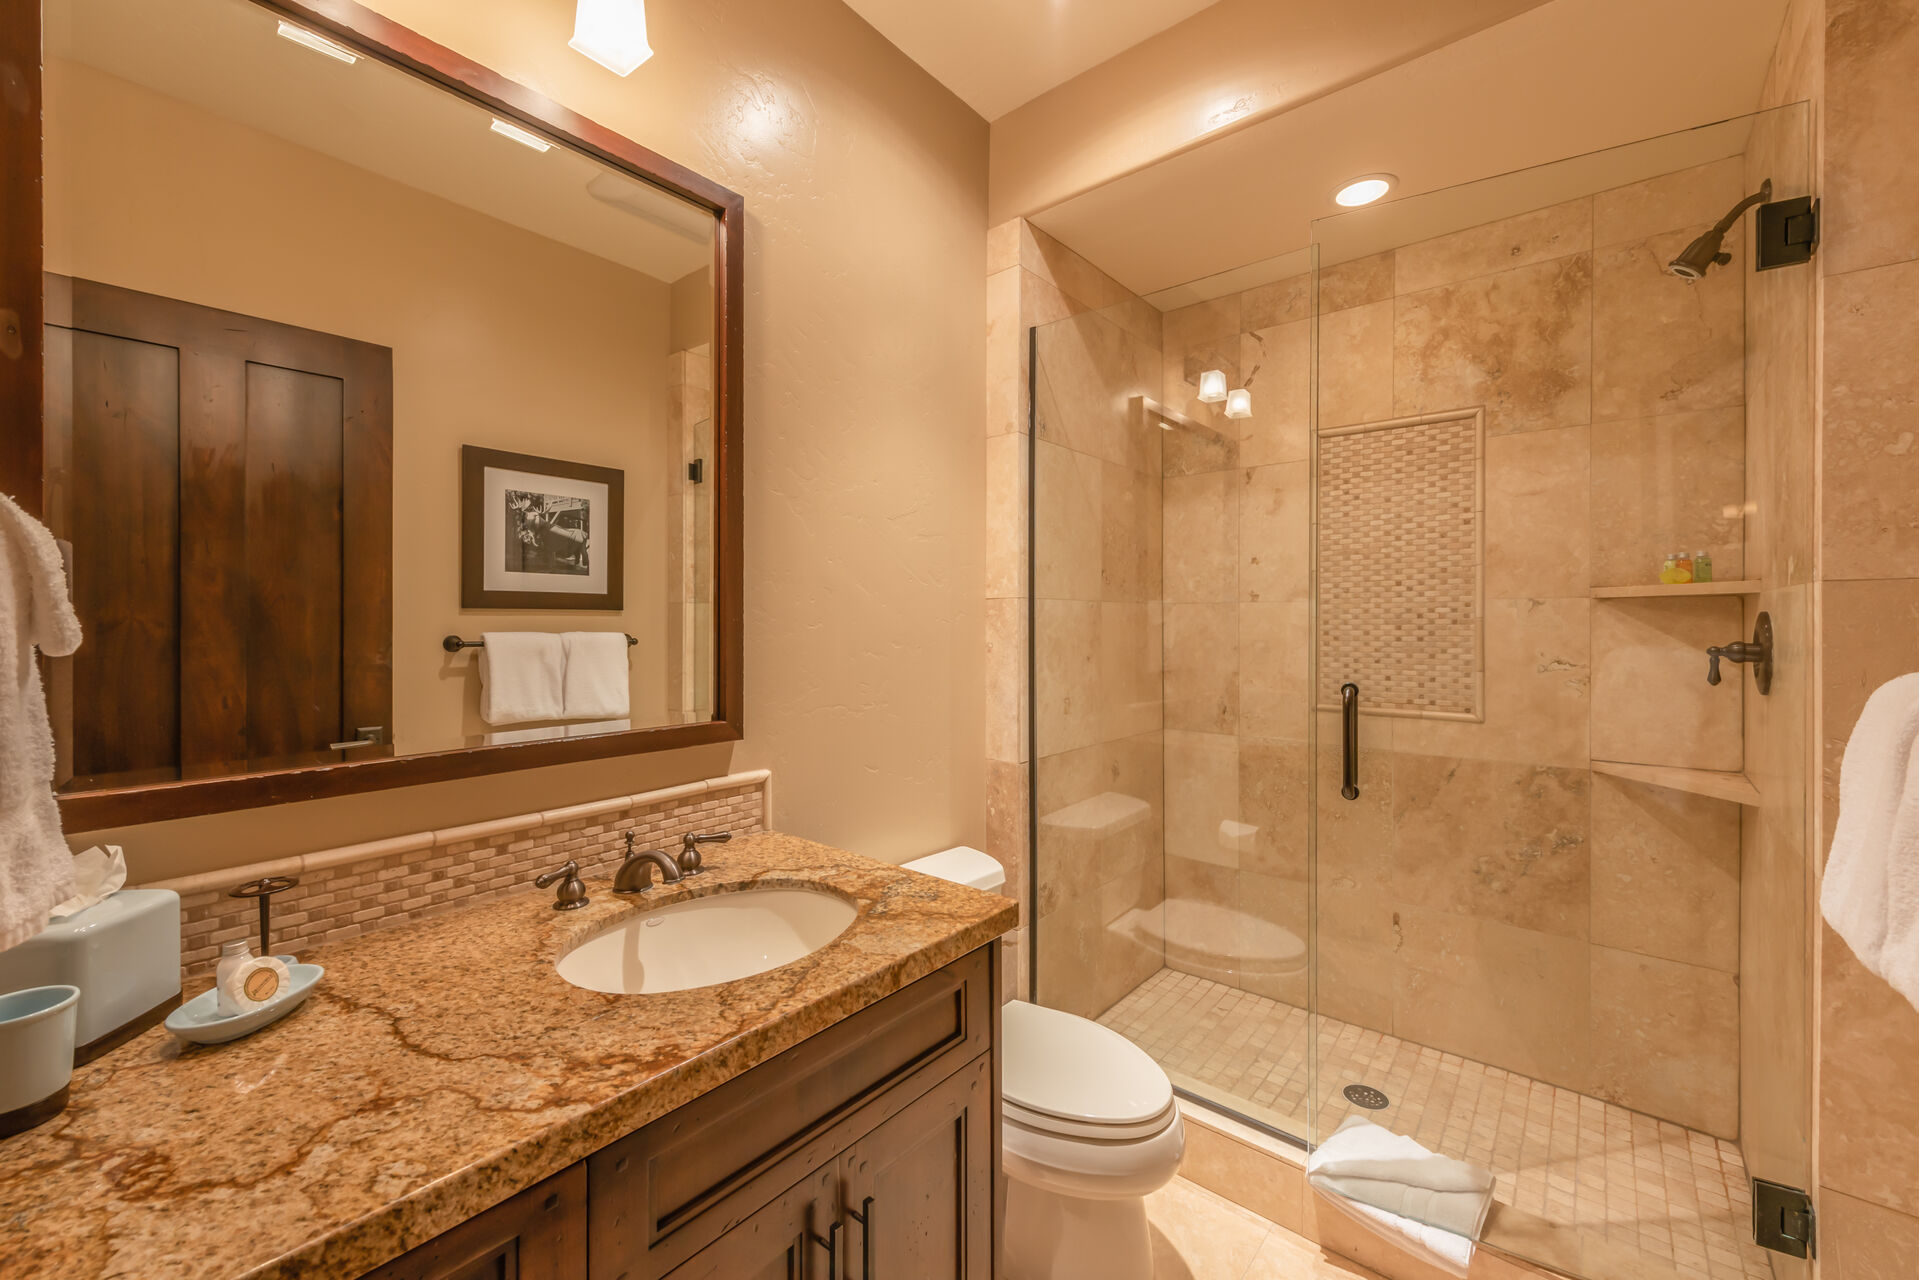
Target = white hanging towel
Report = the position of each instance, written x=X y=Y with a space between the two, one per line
x=596 y=663
x=1871 y=890
x=520 y=673
x=36 y=869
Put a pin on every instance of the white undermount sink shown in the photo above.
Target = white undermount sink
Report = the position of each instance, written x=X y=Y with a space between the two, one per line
x=707 y=940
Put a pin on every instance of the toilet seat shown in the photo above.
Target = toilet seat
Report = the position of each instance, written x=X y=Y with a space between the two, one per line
x=1067 y=1073
x=1084 y=1111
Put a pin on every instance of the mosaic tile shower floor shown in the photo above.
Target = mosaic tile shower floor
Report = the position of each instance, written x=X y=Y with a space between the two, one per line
x=1671 y=1193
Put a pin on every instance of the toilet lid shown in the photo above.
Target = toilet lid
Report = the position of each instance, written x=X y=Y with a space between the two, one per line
x=1062 y=1065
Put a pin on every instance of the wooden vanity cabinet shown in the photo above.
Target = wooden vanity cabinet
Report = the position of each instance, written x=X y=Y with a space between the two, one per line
x=539 y=1234
x=868 y=1150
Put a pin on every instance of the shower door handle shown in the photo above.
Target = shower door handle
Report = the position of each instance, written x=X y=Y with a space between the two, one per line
x=1349 y=731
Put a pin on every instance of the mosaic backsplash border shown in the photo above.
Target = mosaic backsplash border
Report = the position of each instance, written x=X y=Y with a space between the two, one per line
x=361 y=888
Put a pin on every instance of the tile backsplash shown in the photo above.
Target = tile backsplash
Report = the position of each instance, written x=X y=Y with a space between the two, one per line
x=360 y=888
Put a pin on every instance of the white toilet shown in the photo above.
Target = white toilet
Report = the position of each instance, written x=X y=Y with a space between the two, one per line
x=1089 y=1128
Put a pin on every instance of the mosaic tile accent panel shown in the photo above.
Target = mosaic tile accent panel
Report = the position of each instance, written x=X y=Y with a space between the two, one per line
x=1400 y=597
x=409 y=878
x=1673 y=1194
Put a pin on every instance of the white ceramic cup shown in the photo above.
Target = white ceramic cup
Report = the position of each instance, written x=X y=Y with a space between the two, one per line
x=36 y=1054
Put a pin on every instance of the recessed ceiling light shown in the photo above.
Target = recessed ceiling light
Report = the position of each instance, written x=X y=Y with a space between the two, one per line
x=612 y=33
x=1364 y=190
x=520 y=135
x=319 y=44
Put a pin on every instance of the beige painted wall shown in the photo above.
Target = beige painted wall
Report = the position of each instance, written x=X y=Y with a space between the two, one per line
x=547 y=337
x=865 y=187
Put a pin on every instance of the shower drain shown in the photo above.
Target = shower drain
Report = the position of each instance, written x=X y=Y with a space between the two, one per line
x=1364 y=1095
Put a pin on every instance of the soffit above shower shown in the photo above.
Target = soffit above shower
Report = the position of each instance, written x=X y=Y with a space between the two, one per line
x=997 y=54
x=1564 y=78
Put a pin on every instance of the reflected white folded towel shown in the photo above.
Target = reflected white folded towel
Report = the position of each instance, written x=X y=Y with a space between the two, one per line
x=1451 y=1253
x=1391 y=1172
x=520 y=673
x=595 y=675
x=1871 y=890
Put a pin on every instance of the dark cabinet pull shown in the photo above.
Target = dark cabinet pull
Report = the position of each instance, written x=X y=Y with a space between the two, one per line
x=864 y=1216
x=831 y=1243
x=1349 y=726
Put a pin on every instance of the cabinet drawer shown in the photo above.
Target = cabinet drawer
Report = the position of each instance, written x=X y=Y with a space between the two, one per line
x=539 y=1234
x=663 y=1193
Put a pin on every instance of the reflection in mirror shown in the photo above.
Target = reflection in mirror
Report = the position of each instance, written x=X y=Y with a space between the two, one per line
x=295 y=297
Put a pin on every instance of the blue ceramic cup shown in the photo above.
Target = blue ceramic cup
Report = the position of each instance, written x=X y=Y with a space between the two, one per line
x=36 y=1054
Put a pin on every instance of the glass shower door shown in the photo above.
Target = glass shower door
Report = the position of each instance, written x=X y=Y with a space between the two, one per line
x=1170 y=695
x=1560 y=878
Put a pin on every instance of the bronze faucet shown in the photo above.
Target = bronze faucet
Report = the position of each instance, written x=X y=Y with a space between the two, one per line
x=690 y=849
x=636 y=871
x=571 y=895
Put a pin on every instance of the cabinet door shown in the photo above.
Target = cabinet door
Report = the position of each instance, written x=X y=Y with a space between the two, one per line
x=923 y=1182
x=539 y=1234
x=794 y=1237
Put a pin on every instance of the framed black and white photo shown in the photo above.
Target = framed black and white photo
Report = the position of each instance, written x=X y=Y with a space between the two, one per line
x=539 y=533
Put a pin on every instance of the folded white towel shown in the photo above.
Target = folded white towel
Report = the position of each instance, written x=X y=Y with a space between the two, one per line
x=1391 y=1172
x=596 y=663
x=520 y=674
x=1450 y=1253
x=1871 y=890
x=36 y=868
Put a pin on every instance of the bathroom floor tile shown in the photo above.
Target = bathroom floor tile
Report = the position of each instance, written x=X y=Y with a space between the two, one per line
x=1670 y=1193
x=1200 y=1236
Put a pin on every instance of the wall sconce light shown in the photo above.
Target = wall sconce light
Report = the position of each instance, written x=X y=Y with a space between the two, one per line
x=612 y=33
x=1212 y=386
x=1239 y=404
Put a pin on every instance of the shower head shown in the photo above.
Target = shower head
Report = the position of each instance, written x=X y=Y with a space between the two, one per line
x=1704 y=253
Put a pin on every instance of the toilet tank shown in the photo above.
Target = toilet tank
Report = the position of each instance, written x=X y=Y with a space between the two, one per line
x=963 y=865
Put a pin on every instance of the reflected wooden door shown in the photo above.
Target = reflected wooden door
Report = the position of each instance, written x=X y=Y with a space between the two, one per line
x=225 y=485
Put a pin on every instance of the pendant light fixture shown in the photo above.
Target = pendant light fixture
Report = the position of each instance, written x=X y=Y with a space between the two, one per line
x=612 y=33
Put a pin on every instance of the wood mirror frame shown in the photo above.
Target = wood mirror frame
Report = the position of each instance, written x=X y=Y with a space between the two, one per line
x=23 y=400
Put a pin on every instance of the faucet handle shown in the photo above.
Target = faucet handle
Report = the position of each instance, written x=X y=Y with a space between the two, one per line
x=572 y=893
x=690 y=849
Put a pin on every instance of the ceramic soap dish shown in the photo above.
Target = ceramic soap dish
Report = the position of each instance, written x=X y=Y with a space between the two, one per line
x=199 y=1020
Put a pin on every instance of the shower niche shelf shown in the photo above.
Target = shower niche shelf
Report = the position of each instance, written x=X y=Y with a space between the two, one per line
x=1744 y=588
x=1736 y=787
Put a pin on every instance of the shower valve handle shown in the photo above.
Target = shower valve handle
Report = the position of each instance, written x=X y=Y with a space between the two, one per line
x=1757 y=652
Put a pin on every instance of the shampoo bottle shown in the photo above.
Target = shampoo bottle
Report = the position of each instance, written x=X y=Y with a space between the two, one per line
x=243 y=982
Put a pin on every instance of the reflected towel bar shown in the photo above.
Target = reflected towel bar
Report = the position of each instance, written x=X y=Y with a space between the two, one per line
x=453 y=644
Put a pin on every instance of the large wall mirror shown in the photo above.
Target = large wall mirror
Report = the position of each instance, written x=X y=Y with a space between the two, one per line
x=352 y=355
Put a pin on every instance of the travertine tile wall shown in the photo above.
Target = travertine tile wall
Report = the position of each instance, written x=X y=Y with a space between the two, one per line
x=346 y=892
x=1487 y=894
x=1097 y=588
x=1859 y=60
x=1237 y=524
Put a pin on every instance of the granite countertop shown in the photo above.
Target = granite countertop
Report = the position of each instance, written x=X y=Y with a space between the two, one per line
x=439 y=1068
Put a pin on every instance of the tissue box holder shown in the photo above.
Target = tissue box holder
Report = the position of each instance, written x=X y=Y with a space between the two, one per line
x=124 y=955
